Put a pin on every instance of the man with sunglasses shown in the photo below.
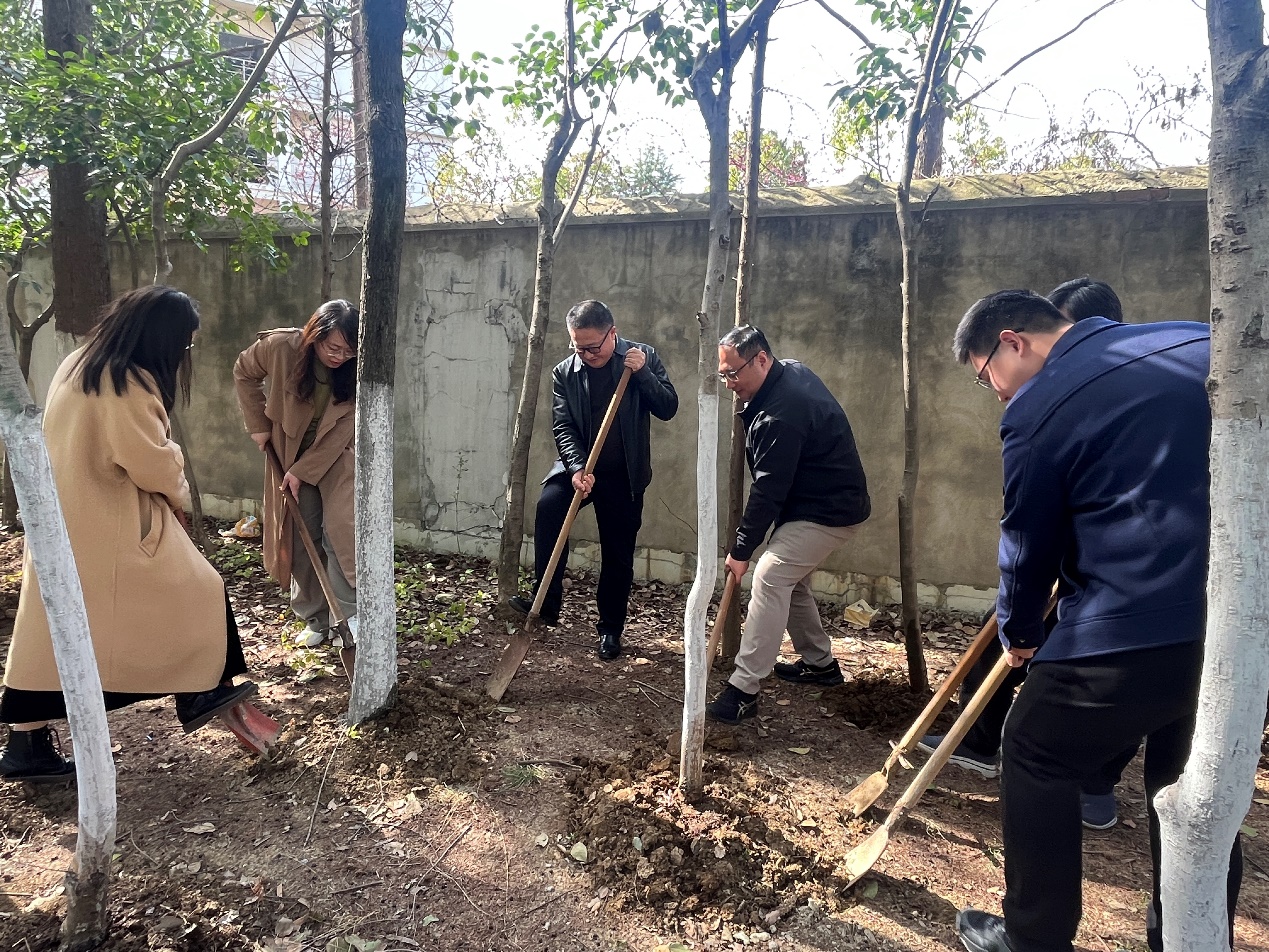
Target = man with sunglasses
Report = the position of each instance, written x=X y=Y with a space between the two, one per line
x=1105 y=439
x=583 y=385
x=809 y=484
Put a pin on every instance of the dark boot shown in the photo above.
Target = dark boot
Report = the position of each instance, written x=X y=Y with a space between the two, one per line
x=609 y=645
x=34 y=757
x=195 y=710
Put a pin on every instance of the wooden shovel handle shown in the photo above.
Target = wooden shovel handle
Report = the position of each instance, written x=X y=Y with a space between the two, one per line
x=945 y=691
x=576 y=504
x=293 y=507
x=715 y=636
x=950 y=742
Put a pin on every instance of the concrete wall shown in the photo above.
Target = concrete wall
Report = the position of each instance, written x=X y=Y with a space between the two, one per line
x=826 y=293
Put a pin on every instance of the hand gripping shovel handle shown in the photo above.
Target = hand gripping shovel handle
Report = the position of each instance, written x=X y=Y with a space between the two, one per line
x=513 y=655
x=864 y=856
x=716 y=636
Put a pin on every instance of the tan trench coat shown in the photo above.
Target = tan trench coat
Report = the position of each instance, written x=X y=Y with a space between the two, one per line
x=328 y=463
x=156 y=607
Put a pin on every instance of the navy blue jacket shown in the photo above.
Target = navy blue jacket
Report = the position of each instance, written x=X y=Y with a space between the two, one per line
x=1106 y=487
x=648 y=393
x=802 y=457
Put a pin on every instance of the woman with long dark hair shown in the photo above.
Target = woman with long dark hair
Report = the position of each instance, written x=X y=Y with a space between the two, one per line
x=308 y=416
x=157 y=610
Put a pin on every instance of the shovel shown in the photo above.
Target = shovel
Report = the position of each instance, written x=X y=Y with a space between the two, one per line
x=715 y=636
x=339 y=624
x=513 y=655
x=867 y=792
x=862 y=858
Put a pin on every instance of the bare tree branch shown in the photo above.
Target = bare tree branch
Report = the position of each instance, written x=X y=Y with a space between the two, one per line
x=1039 y=49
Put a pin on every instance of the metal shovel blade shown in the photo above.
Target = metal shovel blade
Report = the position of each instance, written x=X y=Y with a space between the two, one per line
x=867 y=792
x=512 y=657
x=255 y=730
x=864 y=856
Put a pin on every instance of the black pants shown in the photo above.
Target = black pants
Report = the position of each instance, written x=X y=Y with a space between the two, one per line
x=984 y=736
x=619 y=514
x=1070 y=718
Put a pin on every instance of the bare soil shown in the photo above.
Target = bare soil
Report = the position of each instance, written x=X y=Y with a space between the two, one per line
x=549 y=821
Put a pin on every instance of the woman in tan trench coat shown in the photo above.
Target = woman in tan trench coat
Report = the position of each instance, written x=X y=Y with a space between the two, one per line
x=157 y=610
x=308 y=416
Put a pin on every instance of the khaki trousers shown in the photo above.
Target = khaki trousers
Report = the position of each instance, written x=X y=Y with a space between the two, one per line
x=781 y=599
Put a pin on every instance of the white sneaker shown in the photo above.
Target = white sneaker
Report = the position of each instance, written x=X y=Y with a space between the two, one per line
x=311 y=637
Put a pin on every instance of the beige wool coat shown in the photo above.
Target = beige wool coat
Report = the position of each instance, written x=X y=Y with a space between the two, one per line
x=327 y=464
x=156 y=607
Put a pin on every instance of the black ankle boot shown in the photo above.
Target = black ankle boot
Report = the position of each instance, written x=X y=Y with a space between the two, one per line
x=195 y=710
x=32 y=756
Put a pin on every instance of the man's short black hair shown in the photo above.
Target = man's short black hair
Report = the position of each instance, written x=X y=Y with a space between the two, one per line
x=589 y=315
x=747 y=340
x=1016 y=310
x=1083 y=297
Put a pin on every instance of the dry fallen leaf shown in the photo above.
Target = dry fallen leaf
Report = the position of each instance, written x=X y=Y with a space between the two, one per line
x=800 y=750
x=200 y=828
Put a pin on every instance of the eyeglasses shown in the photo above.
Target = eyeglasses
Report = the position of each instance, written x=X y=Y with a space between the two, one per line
x=725 y=375
x=592 y=350
x=337 y=353
x=978 y=377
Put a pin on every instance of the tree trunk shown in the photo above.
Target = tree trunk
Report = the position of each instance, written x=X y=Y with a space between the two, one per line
x=929 y=161
x=382 y=37
x=1200 y=815
x=744 y=281
x=25 y=334
x=327 y=160
x=361 y=154
x=927 y=93
x=87 y=883
x=78 y=248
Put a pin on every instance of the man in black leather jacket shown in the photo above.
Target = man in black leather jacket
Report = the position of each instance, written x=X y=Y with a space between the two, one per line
x=809 y=484
x=582 y=387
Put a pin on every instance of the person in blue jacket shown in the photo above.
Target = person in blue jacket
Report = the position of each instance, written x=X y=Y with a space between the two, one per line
x=1105 y=439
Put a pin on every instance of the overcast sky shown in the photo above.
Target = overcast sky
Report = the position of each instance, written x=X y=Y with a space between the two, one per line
x=810 y=54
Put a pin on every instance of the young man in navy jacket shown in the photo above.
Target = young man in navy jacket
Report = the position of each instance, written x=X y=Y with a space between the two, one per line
x=1106 y=488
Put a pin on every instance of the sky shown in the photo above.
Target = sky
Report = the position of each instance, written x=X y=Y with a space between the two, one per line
x=810 y=54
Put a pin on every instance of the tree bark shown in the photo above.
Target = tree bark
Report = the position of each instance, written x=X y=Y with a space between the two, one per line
x=1200 y=815
x=327 y=159
x=711 y=64
x=382 y=37
x=744 y=281
x=918 y=678
x=78 y=247
x=25 y=333
x=361 y=154
x=929 y=160
x=87 y=883
x=550 y=227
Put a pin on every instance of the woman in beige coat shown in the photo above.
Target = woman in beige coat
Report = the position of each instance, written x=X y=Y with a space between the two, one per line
x=157 y=610
x=307 y=414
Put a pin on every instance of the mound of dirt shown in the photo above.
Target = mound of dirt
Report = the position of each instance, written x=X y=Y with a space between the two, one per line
x=741 y=851
x=876 y=701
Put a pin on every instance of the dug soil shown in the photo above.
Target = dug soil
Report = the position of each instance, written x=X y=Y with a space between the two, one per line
x=551 y=820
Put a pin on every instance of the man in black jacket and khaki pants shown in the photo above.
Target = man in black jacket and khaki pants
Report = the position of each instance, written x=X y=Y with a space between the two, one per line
x=808 y=483
x=582 y=387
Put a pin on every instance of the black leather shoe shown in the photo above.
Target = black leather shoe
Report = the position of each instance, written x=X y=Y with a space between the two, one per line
x=33 y=756
x=609 y=645
x=195 y=710
x=982 y=932
x=524 y=605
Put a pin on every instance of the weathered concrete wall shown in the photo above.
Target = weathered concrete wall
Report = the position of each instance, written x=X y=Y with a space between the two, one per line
x=826 y=293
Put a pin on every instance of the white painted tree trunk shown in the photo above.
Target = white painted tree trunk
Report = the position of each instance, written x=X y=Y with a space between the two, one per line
x=376 y=624
x=1200 y=814
x=87 y=882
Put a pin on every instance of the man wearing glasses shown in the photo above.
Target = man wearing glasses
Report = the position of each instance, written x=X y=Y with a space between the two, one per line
x=582 y=387
x=1105 y=438
x=808 y=482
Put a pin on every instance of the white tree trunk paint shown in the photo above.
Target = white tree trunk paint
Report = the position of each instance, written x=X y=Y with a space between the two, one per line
x=376 y=677
x=695 y=640
x=87 y=882
x=1200 y=814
